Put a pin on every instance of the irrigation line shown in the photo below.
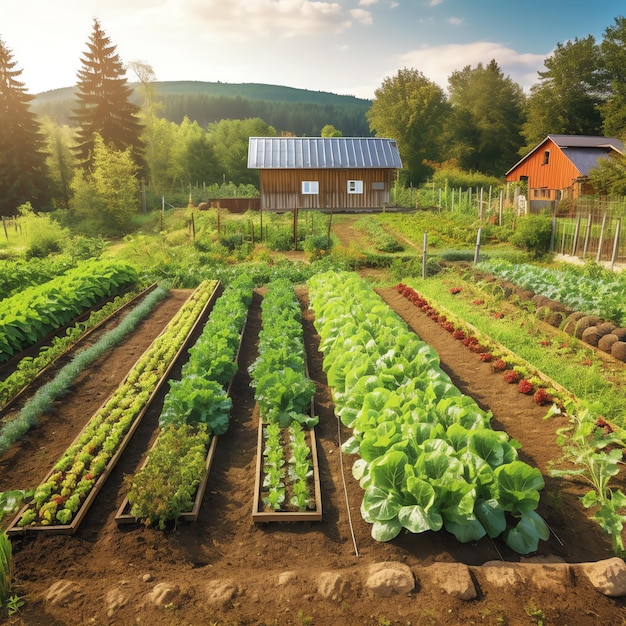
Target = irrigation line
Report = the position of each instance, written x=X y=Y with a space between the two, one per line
x=495 y=547
x=345 y=489
x=555 y=535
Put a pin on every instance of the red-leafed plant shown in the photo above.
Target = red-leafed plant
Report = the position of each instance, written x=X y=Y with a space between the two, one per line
x=542 y=397
x=458 y=334
x=525 y=387
x=455 y=290
x=499 y=365
x=512 y=377
x=486 y=357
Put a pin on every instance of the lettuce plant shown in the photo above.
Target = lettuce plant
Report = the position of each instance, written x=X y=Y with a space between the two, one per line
x=428 y=458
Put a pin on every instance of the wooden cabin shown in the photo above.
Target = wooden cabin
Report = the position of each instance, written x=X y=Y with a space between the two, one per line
x=558 y=168
x=336 y=173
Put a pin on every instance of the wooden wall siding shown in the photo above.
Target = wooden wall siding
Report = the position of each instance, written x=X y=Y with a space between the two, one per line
x=282 y=189
x=558 y=174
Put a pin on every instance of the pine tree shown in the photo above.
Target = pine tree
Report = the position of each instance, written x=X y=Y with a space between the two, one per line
x=104 y=105
x=23 y=176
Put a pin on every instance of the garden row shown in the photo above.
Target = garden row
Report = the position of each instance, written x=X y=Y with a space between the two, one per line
x=172 y=481
x=591 y=308
x=592 y=448
x=63 y=498
x=31 y=314
x=287 y=476
x=427 y=456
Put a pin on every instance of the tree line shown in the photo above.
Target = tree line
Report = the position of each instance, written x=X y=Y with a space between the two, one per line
x=118 y=139
x=302 y=118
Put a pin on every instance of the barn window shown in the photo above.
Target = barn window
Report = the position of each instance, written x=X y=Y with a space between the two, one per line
x=546 y=157
x=355 y=186
x=310 y=187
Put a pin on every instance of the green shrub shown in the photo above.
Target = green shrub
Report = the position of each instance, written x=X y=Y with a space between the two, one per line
x=533 y=234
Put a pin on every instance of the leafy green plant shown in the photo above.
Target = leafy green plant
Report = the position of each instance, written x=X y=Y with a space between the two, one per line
x=31 y=314
x=166 y=486
x=596 y=455
x=428 y=457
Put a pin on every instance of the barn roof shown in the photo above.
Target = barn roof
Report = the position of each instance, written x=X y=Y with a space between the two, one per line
x=584 y=151
x=322 y=153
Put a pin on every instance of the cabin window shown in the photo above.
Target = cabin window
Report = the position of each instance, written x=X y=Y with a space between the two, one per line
x=546 y=157
x=310 y=187
x=355 y=186
x=541 y=193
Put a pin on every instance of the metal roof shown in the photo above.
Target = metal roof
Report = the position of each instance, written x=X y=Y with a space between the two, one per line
x=322 y=153
x=586 y=141
x=583 y=150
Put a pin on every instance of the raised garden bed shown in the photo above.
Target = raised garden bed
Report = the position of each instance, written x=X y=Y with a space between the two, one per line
x=71 y=527
x=261 y=513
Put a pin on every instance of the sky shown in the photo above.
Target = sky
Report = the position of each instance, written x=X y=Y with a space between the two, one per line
x=345 y=47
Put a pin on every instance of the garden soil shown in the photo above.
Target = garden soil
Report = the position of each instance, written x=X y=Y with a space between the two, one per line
x=225 y=569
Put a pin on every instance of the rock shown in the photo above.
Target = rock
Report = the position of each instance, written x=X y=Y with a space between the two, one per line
x=332 y=585
x=147 y=578
x=584 y=323
x=620 y=333
x=453 y=578
x=591 y=336
x=204 y=206
x=286 y=578
x=605 y=328
x=608 y=576
x=115 y=600
x=221 y=591
x=618 y=350
x=164 y=593
x=606 y=342
x=64 y=592
x=570 y=322
x=387 y=579
x=551 y=577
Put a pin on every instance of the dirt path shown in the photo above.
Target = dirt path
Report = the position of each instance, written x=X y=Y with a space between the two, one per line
x=226 y=570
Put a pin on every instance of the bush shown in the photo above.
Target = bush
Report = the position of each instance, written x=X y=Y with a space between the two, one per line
x=533 y=234
x=316 y=246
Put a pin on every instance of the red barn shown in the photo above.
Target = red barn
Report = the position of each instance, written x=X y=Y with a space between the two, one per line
x=559 y=166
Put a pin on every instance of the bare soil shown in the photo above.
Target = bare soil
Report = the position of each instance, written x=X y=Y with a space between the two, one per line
x=225 y=569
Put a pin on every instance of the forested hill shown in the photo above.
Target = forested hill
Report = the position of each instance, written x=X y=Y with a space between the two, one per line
x=299 y=111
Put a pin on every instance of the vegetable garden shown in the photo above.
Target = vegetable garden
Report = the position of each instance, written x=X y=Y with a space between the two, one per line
x=234 y=413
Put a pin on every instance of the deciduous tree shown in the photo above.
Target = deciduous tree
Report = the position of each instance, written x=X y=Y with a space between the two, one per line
x=107 y=195
x=613 y=48
x=569 y=95
x=411 y=109
x=486 y=118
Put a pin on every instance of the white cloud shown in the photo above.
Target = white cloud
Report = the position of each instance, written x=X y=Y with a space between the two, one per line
x=367 y=3
x=434 y=3
x=438 y=62
x=364 y=17
x=239 y=19
x=455 y=21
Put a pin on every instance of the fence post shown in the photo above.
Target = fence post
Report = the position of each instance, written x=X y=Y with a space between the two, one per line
x=601 y=241
x=587 y=234
x=576 y=233
x=500 y=208
x=616 y=242
x=424 y=255
x=477 y=252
